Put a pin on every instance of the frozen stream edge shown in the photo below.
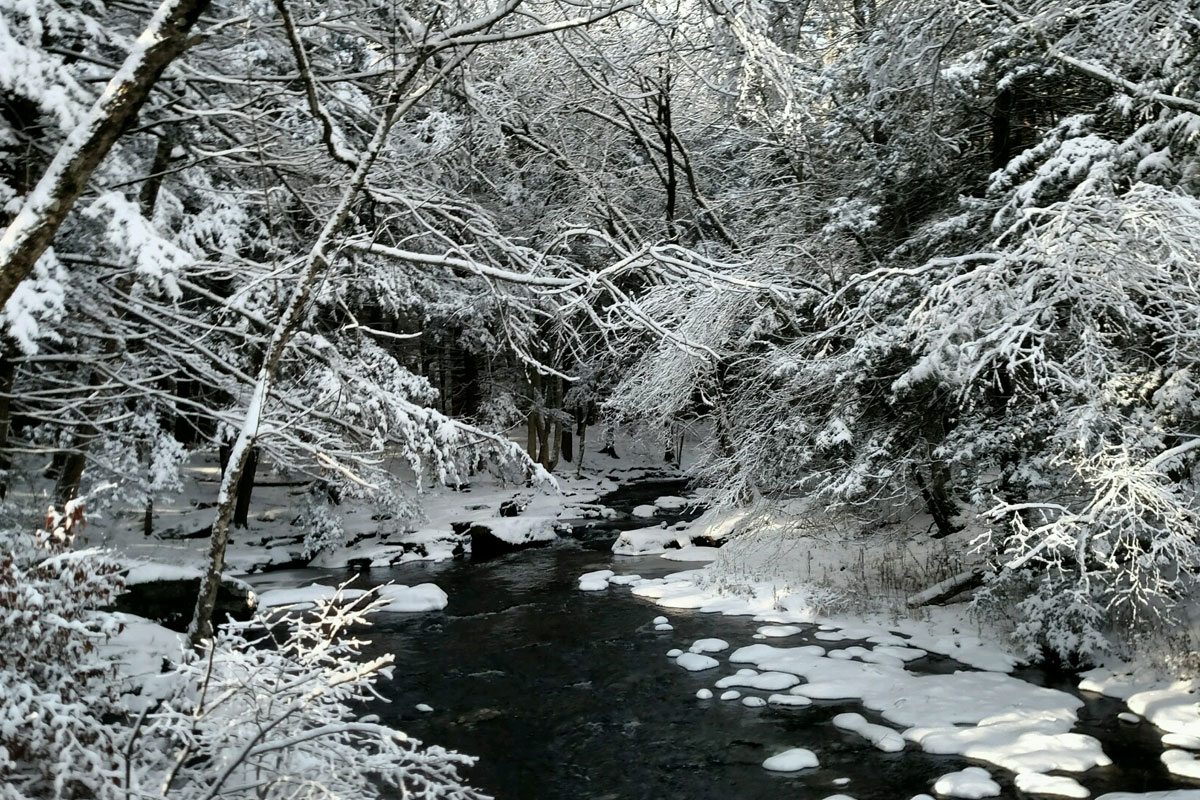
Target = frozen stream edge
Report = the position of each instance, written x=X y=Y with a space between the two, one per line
x=1008 y=723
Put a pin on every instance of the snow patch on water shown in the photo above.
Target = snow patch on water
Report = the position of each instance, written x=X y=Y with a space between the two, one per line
x=695 y=662
x=1054 y=785
x=793 y=760
x=971 y=783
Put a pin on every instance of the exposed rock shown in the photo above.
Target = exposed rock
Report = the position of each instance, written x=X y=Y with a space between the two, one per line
x=511 y=508
x=495 y=537
x=167 y=595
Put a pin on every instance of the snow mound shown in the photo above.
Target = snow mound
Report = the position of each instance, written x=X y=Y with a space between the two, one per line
x=709 y=646
x=413 y=599
x=1170 y=794
x=645 y=510
x=779 y=631
x=1056 y=785
x=595 y=581
x=882 y=737
x=306 y=596
x=692 y=553
x=766 y=681
x=694 y=662
x=1182 y=763
x=670 y=502
x=971 y=783
x=521 y=530
x=792 y=760
x=648 y=541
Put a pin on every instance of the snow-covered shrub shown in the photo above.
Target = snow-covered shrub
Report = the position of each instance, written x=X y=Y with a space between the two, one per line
x=1054 y=620
x=267 y=712
x=320 y=521
x=54 y=691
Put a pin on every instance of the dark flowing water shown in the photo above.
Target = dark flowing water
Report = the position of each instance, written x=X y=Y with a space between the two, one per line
x=568 y=695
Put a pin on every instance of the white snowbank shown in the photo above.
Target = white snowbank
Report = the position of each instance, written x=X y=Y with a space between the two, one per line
x=413 y=599
x=882 y=737
x=971 y=783
x=1007 y=722
x=306 y=596
x=645 y=510
x=692 y=553
x=1170 y=794
x=1055 y=785
x=694 y=662
x=792 y=760
x=765 y=682
x=1182 y=763
x=150 y=571
x=595 y=581
x=649 y=541
x=709 y=646
x=521 y=530
x=1168 y=704
x=779 y=631
x=423 y=597
x=671 y=502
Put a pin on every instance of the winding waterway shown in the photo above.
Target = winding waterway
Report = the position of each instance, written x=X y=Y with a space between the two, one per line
x=568 y=695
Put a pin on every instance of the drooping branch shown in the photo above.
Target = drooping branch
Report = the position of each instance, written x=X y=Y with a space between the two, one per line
x=47 y=206
x=1099 y=73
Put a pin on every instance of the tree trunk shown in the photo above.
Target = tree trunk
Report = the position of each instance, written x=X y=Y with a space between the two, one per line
x=531 y=439
x=581 y=431
x=45 y=208
x=66 y=488
x=8 y=372
x=245 y=487
x=568 y=446
x=317 y=262
x=937 y=499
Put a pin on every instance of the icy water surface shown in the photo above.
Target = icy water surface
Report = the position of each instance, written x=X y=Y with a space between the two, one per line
x=568 y=695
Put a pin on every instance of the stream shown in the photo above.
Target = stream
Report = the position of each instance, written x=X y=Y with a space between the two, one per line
x=569 y=695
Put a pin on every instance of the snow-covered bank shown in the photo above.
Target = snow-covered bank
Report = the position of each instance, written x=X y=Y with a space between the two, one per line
x=435 y=525
x=862 y=651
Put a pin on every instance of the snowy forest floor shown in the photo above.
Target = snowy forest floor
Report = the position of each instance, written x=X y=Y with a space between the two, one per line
x=777 y=568
x=369 y=535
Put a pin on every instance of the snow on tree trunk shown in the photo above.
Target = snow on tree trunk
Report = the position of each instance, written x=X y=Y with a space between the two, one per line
x=32 y=230
x=316 y=263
